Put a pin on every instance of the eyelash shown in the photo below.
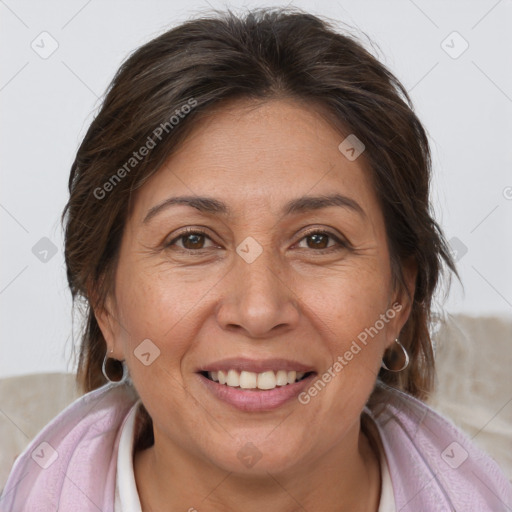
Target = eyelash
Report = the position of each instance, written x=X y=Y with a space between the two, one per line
x=198 y=231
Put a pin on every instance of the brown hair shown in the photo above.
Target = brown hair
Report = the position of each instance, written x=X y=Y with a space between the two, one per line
x=267 y=53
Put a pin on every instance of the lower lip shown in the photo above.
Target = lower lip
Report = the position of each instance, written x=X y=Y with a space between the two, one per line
x=252 y=401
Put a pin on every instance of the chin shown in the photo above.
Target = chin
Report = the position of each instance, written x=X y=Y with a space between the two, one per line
x=258 y=458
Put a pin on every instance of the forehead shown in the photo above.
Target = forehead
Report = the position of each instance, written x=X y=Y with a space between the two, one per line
x=260 y=155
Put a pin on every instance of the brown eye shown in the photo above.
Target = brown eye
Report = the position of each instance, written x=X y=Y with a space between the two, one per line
x=320 y=240
x=191 y=240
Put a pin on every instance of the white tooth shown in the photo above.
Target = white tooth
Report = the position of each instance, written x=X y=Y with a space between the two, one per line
x=267 y=380
x=248 y=380
x=281 y=378
x=233 y=379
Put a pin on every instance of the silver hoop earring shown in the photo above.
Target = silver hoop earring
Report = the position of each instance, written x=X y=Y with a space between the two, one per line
x=114 y=362
x=395 y=359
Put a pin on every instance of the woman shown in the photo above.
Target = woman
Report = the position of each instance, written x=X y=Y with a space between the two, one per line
x=249 y=232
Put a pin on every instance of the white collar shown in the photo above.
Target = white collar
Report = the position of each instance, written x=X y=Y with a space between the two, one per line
x=127 y=497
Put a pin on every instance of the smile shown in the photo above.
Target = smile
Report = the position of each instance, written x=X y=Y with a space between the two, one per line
x=253 y=385
x=252 y=380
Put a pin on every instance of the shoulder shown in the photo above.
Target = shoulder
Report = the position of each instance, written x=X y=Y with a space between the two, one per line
x=432 y=462
x=73 y=454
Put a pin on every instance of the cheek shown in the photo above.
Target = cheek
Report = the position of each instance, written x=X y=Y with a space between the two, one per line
x=156 y=336
x=349 y=312
x=161 y=306
x=350 y=301
x=153 y=302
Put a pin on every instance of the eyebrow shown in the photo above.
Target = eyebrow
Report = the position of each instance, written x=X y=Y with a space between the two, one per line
x=214 y=206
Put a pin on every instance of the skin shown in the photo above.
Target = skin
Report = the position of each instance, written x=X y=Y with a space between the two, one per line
x=294 y=301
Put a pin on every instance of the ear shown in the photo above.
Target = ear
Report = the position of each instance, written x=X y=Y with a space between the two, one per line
x=404 y=296
x=105 y=316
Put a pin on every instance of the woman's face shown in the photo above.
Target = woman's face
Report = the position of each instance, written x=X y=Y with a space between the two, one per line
x=256 y=291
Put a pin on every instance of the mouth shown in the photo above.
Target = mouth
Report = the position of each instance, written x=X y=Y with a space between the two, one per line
x=263 y=381
x=252 y=386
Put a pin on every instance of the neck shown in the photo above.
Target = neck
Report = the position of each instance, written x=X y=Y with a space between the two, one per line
x=169 y=478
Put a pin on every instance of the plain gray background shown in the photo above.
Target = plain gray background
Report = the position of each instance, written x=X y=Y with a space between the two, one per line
x=464 y=99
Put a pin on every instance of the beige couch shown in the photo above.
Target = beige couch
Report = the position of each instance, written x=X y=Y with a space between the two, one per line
x=474 y=390
x=474 y=381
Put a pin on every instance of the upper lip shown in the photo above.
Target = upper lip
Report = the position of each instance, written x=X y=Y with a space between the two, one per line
x=255 y=365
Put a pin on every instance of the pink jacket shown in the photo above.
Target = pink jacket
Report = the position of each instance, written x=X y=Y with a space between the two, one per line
x=71 y=464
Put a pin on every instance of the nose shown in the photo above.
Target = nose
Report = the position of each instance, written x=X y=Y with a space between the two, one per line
x=258 y=299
